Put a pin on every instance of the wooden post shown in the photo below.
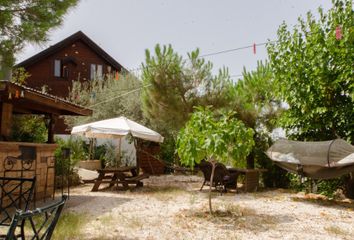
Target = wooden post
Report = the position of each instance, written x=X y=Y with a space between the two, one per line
x=51 y=124
x=6 y=120
x=136 y=145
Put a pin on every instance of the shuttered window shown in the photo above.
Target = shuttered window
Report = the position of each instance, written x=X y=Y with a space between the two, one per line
x=93 y=71
x=96 y=72
x=57 y=68
x=99 y=72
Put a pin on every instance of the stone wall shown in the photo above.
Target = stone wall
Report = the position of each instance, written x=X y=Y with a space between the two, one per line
x=44 y=158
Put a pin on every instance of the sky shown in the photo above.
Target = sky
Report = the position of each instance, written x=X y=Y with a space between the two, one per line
x=126 y=28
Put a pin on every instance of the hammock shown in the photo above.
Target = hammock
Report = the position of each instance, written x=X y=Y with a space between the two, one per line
x=318 y=160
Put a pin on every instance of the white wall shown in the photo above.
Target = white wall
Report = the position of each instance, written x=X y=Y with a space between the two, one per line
x=126 y=147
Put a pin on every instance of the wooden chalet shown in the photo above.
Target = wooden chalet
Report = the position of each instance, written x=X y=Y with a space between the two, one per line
x=18 y=99
x=74 y=58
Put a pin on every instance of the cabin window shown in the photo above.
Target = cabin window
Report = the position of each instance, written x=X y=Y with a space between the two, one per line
x=57 y=68
x=96 y=72
x=60 y=70
x=99 y=72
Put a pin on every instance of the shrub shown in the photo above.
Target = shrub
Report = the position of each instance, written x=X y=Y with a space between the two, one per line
x=29 y=128
x=77 y=153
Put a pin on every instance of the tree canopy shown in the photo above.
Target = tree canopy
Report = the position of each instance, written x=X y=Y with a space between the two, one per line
x=219 y=136
x=24 y=21
x=109 y=98
x=313 y=67
x=253 y=98
x=176 y=85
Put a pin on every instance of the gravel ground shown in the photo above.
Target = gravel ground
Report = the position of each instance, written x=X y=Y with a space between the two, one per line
x=172 y=207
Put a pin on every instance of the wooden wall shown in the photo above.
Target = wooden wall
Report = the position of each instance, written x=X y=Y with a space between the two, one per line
x=42 y=73
x=147 y=162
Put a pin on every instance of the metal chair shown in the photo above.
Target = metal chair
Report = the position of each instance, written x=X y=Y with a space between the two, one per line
x=36 y=224
x=50 y=165
x=16 y=193
x=27 y=157
x=66 y=152
x=28 y=164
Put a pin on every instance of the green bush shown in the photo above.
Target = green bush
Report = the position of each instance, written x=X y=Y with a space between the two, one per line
x=274 y=176
x=329 y=187
x=29 y=128
x=168 y=150
x=326 y=187
x=77 y=153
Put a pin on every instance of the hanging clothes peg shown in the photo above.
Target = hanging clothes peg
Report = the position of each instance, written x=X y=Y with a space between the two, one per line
x=339 y=34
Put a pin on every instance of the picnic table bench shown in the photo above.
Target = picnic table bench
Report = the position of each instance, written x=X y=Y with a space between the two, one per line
x=121 y=175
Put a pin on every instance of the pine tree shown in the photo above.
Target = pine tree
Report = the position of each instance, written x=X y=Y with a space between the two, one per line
x=24 y=21
x=177 y=85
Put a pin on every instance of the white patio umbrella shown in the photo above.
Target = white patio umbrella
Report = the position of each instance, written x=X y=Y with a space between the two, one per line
x=116 y=128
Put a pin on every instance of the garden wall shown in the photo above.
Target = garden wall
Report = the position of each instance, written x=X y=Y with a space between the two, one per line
x=44 y=158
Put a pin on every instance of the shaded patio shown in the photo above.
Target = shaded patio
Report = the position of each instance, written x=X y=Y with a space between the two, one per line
x=16 y=99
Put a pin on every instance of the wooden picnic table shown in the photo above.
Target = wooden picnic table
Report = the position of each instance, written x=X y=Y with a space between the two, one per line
x=120 y=175
x=251 y=182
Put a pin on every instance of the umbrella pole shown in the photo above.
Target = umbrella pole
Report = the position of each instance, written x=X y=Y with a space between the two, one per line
x=136 y=155
x=119 y=150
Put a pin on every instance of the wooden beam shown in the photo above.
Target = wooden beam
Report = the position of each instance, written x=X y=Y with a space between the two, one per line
x=55 y=103
x=23 y=106
x=5 y=120
x=52 y=119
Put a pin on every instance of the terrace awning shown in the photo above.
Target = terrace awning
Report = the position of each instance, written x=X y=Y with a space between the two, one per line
x=19 y=99
x=31 y=101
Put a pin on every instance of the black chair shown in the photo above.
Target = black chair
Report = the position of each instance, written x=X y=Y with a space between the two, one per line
x=50 y=166
x=65 y=170
x=27 y=157
x=206 y=168
x=36 y=224
x=222 y=179
x=27 y=167
x=16 y=193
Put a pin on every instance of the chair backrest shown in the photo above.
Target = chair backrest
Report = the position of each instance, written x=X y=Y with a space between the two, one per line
x=220 y=172
x=16 y=193
x=37 y=224
x=206 y=168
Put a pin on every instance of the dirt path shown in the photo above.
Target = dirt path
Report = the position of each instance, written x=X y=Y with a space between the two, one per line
x=172 y=207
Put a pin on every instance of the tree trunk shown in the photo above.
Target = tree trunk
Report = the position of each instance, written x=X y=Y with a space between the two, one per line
x=250 y=160
x=213 y=163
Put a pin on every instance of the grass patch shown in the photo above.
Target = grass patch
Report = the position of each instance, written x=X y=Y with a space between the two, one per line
x=336 y=230
x=69 y=226
x=106 y=219
x=228 y=216
x=164 y=193
x=324 y=201
x=134 y=222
